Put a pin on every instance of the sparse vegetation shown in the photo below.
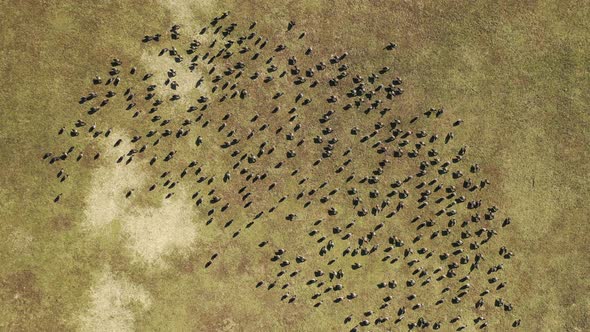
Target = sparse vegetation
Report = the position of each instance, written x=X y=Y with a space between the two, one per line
x=97 y=243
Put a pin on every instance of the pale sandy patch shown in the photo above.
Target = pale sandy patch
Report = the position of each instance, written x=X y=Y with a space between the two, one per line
x=151 y=232
x=110 y=304
x=20 y=242
x=155 y=232
x=184 y=11
x=106 y=198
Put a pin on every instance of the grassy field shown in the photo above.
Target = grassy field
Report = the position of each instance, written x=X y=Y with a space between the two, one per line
x=514 y=71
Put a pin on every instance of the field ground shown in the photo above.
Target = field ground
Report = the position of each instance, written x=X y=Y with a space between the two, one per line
x=515 y=71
